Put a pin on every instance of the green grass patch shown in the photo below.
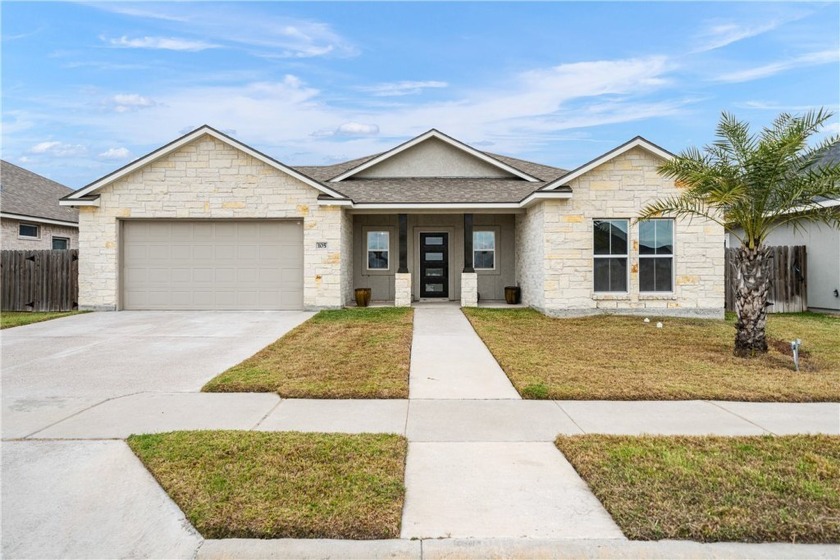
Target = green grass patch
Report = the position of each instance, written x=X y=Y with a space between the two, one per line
x=714 y=489
x=623 y=358
x=9 y=319
x=235 y=484
x=343 y=354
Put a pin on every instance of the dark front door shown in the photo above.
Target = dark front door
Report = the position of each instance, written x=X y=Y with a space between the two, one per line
x=434 y=265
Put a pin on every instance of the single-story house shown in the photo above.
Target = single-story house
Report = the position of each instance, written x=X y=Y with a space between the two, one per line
x=30 y=215
x=207 y=222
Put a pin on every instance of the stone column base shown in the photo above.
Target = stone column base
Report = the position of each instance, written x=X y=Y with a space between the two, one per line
x=469 y=289
x=402 y=289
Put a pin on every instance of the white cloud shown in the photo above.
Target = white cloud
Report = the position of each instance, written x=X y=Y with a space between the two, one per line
x=401 y=88
x=265 y=35
x=719 y=35
x=163 y=43
x=24 y=159
x=124 y=102
x=58 y=149
x=350 y=129
x=115 y=153
x=758 y=72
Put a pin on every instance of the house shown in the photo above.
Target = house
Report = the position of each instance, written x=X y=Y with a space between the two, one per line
x=206 y=222
x=822 y=247
x=30 y=215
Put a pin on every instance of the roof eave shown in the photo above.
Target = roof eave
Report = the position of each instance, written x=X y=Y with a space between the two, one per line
x=186 y=139
x=637 y=142
x=433 y=133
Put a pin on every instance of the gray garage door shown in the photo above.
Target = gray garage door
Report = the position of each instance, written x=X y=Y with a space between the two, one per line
x=226 y=264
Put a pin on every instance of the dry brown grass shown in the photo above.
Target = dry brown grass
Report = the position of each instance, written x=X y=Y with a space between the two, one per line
x=622 y=358
x=344 y=354
x=233 y=484
x=758 y=489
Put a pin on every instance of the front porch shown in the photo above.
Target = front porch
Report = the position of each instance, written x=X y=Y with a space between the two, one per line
x=446 y=257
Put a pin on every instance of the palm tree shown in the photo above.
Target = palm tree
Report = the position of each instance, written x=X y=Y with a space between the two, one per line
x=752 y=184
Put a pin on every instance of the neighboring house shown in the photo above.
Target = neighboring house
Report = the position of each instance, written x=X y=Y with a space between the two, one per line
x=30 y=215
x=207 y=222
x=822 y=249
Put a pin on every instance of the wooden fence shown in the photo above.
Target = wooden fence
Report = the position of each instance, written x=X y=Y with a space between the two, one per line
x=39 y=280
x=788 y=280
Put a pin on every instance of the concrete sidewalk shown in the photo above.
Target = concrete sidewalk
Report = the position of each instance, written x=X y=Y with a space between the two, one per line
x=429 y=420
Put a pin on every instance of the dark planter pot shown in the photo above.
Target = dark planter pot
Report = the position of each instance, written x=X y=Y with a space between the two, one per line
x=362 y=297
x=513 y=294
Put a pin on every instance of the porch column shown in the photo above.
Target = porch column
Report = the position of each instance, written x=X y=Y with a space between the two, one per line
x=469 y=278
x=468 y=243
x=403 y=219
x=402 y=279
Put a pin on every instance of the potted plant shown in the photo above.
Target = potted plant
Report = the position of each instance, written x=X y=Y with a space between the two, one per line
x=362 y=297
x=513 y=295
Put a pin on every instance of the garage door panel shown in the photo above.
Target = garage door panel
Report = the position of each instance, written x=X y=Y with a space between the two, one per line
x=212 y=265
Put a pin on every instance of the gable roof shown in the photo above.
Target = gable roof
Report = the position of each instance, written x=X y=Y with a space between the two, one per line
x=87 y=193
x=433 y=133
x=24 y=194
x=436 y=190
x=637 y=142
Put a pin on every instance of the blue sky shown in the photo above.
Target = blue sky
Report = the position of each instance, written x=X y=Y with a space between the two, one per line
x=87 y=87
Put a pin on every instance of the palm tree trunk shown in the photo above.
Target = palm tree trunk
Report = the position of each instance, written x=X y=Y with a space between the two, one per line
x=752 y=286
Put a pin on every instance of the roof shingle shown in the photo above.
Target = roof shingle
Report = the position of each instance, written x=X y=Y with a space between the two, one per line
x=29 y=194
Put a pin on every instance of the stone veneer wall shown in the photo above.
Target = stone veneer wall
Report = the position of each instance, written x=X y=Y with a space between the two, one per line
x=620 y=188
x=530 y=256
x=347 y=264
x=10 y=240
x=210 y=179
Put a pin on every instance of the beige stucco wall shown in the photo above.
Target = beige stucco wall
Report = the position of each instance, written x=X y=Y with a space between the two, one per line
x=210 y=179
x=10 y=240
x=433 y=158
x=619 y=188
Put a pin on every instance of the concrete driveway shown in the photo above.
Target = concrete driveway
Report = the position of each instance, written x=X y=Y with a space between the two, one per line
x=55 y=369
x=94 y=499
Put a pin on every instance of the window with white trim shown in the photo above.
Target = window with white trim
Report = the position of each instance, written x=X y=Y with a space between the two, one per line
x=29 y=230
x=378 y=256
x=60 y=243
x=610 y=247
x=656 y=255
x=484 y=250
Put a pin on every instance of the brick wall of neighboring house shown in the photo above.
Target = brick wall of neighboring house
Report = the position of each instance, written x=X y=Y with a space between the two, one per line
x=10 y=240
x=619 y=188
x=210 y=179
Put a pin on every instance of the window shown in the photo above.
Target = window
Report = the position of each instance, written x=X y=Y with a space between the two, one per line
x=377 y=250
x=656 y=256
x=610 y=248
x=60 y=243
x=484 y=250
x=28 y=230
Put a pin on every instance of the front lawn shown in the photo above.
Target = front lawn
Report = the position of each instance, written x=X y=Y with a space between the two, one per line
x=623 y=358
x=711 y=489
x=9 y=319
x=344 y=354
x=271 y=485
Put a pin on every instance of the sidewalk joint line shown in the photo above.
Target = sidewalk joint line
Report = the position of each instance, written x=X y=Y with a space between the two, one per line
x=759 y=426
x=407 y=414
x=82 y=411
x=267 y=414
x=569 y=416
